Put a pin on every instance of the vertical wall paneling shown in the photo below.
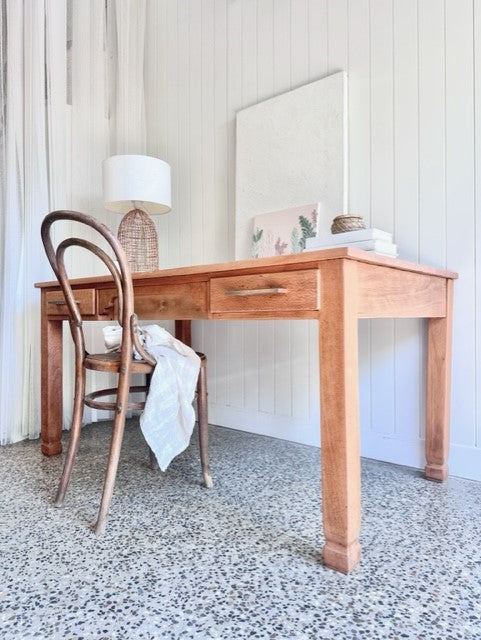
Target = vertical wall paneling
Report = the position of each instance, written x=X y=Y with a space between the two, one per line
x=251 y=357
x=196 y=115
x=266 y=366
x=282 y=20
x=152 y=75
x=220 y=354
x=207 y=205
x=182 y=203
x=156 y=72
x=200 y=150
x=300 y=380
x=282 y=367
x=317 y=38
x=249 y=52
x=172 y=149
x=432 y=137
x=299 y=43
x=312 y=432
x=236 y=364
x=460 y=206
x=382 y=117
x=249 y=93
x=215 y=335
x=221 y=129
x=265 y=90
x=282 y=45
x=164 y=70
x=408 y=348
x=299 y=329
x=128 y=113
x=337 y=53
x=382 y=202
x=359 y=153
x=265 y=50
x=477 y=201
x=432 y=132
x=406 y=133
x=359 y=108
x=231 y=333
x=414 y=161
x=234 y=100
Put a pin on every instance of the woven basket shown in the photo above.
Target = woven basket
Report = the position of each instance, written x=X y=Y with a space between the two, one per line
x=347 y=222
x=138 y=236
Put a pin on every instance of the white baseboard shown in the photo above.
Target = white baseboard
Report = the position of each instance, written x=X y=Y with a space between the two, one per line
x=380 y=446
x=464 y=461
x=267 y=424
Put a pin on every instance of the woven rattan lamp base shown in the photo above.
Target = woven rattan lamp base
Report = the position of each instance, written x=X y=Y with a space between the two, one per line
x=138 y=236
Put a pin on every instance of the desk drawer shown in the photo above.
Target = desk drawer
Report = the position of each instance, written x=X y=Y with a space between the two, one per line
x=266 y=292
x=56 y=305
x=178 y=301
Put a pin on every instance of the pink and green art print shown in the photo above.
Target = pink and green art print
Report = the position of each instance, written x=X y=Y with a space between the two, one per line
x=280 y=232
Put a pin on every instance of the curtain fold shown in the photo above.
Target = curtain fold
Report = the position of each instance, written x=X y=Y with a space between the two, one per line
x=24 y=196
x=72 y=93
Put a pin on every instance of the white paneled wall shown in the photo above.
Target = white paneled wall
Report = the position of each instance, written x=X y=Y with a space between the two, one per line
x=414 y=71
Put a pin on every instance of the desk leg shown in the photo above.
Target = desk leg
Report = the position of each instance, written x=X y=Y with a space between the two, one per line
x=183 y=331
x=439 y=391
x=340 y=447
x=51 y=385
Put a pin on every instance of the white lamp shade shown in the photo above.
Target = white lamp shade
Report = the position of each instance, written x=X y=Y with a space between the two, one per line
x=132 y=181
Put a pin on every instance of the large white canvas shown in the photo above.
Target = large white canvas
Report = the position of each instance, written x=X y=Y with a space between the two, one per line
x=291 y=150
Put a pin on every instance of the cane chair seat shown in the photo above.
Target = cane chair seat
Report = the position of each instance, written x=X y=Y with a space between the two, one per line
x=111 y=363
x=121 y=363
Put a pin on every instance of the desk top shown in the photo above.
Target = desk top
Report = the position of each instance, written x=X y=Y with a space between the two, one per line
x=290 y=262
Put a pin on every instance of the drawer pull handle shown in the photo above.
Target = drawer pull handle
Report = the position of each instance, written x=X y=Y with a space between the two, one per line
x=256 y=292
x=61 y=303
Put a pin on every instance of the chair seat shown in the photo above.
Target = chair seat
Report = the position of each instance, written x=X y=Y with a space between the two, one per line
x=110 y=362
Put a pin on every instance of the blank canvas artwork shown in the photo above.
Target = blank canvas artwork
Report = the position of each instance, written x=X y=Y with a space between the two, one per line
x=291 y=151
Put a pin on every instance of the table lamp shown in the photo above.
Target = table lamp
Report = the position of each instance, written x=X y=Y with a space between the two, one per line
x=137 y=186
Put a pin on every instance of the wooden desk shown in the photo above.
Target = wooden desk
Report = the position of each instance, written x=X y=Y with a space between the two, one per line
x=333 y=286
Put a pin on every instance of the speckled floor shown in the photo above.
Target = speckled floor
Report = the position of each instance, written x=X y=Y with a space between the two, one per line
x=239 y=561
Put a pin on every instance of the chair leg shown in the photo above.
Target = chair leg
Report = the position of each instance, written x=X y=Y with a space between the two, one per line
x=154 y=465
x=74 y=436
x=203 y=425
x=114 y=453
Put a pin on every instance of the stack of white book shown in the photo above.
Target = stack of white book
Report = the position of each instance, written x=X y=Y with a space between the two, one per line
x=367 y=239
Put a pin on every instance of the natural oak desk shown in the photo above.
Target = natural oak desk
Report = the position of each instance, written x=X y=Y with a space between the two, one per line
x=333 y=286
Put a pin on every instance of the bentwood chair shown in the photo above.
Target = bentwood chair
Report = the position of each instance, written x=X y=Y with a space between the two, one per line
x=121 y=363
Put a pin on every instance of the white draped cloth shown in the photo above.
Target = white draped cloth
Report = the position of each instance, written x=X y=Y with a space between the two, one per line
x=168 y=419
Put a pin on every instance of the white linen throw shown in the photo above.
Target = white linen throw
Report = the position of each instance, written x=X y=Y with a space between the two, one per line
x=168 y=419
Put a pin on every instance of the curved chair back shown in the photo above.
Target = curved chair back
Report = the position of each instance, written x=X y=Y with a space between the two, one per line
x=120 y=274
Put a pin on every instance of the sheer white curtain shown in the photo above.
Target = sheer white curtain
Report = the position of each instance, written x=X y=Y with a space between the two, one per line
x=65 y=105
x=24 y=194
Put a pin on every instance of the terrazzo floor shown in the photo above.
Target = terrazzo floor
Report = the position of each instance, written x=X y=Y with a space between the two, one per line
x=239 y=561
